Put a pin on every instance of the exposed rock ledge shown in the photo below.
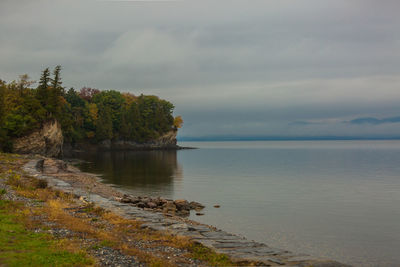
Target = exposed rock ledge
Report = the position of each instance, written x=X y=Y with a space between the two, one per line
x=165 y=141
x=46 y=141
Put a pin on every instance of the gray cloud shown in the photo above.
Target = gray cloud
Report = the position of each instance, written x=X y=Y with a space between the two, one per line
x=245 y=67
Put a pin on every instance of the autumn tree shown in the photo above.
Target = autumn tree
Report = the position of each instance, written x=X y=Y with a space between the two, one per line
x=87 y=93
x=178 y=122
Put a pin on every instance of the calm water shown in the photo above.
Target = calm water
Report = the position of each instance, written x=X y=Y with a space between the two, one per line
x=336 y=199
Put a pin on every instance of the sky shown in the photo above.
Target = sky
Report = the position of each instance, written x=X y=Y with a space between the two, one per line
x=231 y=68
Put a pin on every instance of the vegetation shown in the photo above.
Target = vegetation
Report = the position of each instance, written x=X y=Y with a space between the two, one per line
x=88 y=115
x=23 y=247
x=20 y=244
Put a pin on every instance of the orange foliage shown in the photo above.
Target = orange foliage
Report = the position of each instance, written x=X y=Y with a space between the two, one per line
x=178 y=121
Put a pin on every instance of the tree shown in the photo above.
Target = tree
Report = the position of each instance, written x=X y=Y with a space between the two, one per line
x=56 y=81
x=74 y=99
x=42 y=90
x=178 y=121
x=112 y=101
x=87 y=93
x=24 y=83
x=55 y=92
x=104 y=126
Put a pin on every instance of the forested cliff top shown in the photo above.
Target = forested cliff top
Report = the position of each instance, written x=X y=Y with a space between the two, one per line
x=87 y=115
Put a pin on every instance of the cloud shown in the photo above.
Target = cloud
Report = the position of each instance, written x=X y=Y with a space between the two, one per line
x=249 y=67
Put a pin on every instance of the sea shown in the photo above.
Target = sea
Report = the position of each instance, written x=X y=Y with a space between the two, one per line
x=338 y=200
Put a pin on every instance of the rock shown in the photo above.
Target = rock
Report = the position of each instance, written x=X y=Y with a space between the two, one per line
x=125 y=200
x=199 y=214
x=151 y=205
x=141 y=205
x=183 y=213
x=50 y=166
x=39 y=165
x=196 y=205
x=169 y=208
x=182 y=204
x=182 y=226
x=160 y=201
x=53 y=166
x=46 y=141
x=129 y=199
x=167 y=140
x=217 y=206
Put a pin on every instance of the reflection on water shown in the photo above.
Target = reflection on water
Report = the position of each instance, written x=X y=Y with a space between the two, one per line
x=156 y=171
x=334 y=199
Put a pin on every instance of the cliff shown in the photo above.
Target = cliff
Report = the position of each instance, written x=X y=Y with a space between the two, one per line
x=46 y=141
x=165 y=141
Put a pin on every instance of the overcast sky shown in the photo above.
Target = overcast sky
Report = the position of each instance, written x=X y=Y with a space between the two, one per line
x=270 y=67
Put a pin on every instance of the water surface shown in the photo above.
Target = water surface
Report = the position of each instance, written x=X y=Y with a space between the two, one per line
x=336 y=199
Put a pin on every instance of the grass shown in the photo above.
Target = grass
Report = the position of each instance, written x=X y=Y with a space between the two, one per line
x=203 y=253
x=23 y=247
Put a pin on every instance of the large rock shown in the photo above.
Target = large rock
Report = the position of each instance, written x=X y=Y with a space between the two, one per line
x=46 y=141
x=182 y=204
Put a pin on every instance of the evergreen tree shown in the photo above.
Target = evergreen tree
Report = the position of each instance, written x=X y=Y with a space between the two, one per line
x=56 y=81
x=42 y=90
x=55 y=92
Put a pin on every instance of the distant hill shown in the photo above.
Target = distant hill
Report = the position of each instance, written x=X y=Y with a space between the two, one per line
x=371 y=120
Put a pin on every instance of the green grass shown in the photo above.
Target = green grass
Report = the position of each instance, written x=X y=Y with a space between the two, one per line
x=22 y=247
x=205 y=254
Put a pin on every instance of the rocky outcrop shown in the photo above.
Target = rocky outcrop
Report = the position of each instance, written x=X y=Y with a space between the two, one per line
x=179 y=207
x=46 y=141
x=165 y=141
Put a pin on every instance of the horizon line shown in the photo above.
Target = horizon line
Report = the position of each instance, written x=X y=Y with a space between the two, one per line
x=284 y=138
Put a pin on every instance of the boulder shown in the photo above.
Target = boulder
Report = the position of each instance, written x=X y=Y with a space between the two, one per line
x=151 y=205
x=182 y=204
x=169 y=208
x=141 y=205
x=196 y=205
x=46 y=141
x=129 y=199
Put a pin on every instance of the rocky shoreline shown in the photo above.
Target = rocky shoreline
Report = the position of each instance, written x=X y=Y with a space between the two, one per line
x=179 y=207
x=165 y=215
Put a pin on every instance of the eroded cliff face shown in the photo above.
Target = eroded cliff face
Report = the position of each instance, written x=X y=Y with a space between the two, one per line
x=166 y=141
x=46 y=141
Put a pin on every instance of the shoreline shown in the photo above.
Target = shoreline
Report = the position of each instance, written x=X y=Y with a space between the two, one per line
x=62 y=176
x=68 y=149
